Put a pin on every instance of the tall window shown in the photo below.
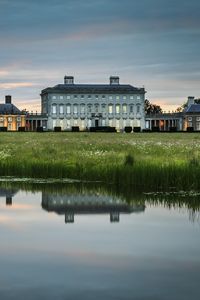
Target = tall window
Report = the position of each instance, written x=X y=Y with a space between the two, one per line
x=54 y=108
x=117 y=108
x=131 y=108
x=61 y=109
x=75 y=109
x=89 y=108
x=124 y=108
x=68 y=107
x=110 y=108
x=96 y=108
x=138 y=108
x=82 y=108
x=103 y=107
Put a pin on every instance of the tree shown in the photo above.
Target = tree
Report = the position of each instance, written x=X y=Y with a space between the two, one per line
x=152 y=108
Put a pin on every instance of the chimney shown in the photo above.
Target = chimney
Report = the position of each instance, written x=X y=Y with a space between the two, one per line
x=8 y=99
x=114 y=80
x=68 y=80
x=190 y=101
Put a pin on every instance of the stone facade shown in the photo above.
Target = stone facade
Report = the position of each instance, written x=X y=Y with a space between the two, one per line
x=93 y=105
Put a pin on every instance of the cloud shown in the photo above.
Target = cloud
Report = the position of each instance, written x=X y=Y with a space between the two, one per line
x=15 y=85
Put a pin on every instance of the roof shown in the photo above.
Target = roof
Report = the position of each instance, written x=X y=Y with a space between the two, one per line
x=9 y=109
x=193 y=108
x=93 y=88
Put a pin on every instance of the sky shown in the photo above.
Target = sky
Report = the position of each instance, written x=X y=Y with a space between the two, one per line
x=150 y=43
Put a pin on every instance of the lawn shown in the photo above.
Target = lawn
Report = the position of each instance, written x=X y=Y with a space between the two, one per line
x=142 y=160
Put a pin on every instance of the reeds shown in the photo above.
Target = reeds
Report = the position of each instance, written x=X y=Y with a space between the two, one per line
x=142 y=161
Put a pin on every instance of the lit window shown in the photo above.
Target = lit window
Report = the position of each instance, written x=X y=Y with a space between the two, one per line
x=131 y=97
x=124 y=97
x=138 y=97
x=117 y=108
x=68 y=97
x=9 y=119
x=110 y=108
x=61 y=97
x=110 y=97
x=124 y=108
x=53 y=97
x=117 y=97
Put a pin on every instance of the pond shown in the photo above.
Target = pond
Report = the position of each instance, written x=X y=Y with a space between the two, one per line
x=75 y=241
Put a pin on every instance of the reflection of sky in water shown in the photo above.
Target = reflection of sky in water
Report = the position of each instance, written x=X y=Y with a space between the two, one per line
x=152 y=255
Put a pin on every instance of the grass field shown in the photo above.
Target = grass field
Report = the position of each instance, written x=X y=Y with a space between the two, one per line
x=144 y=161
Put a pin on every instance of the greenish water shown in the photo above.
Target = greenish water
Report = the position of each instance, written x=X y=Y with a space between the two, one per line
x=87 y=241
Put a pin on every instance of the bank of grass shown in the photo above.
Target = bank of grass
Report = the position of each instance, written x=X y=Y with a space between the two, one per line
x=145 y=161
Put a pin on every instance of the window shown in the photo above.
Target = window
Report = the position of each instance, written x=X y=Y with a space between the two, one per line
x=89 y=96
x=138 y=108
x=53 y=97
x=54 y=108
x=110 y=97
x=117 y=108
x=61 y=97
x=103 y=96
x=189 y=124
x=138 y=97
x=68 y=108
x=189 y=119
x=117 y=124
x=1 y=119
x=89 y=108
x=124 y=97
x=96 y=108
x=131 y=97
x=68 y=97
x=96 y=96
x=82 y=108
x=110 y=122
x=9 y=119
x=75 y=96
x=117 y=97
x=103 y=107
x=75 y=109
x=198 y=125
x=131 y=108
x=124 y=108
x=82 y=96
x=110 y=108
x=61 y=109
x=198 y=118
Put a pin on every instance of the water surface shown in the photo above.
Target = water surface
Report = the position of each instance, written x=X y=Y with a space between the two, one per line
x=82 y=243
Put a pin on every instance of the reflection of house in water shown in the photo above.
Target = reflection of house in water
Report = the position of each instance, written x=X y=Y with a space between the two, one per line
x=8 y=194
x=69 y=205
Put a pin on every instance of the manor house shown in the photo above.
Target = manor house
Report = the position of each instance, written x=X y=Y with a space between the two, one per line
x=93 y=105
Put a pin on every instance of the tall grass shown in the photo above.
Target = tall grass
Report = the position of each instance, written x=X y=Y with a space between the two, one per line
x=142 y=161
